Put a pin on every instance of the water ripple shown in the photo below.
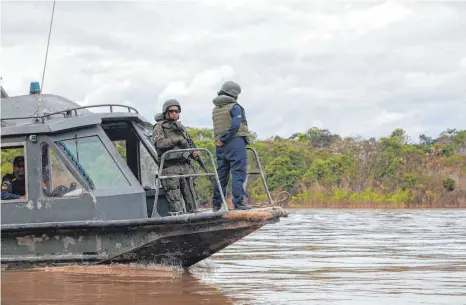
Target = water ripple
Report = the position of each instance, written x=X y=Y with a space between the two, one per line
x=349 y=257
x=313 y=257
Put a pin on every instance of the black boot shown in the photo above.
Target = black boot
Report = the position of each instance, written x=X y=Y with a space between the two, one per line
x=243 y=206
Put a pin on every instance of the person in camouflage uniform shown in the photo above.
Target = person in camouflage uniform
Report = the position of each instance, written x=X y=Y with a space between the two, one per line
x=168 y=135
x=158 y=117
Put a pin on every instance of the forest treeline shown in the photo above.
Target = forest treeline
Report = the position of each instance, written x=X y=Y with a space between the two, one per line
x=322 y=169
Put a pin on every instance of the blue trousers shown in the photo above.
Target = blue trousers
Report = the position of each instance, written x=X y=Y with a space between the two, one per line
x=231 y=157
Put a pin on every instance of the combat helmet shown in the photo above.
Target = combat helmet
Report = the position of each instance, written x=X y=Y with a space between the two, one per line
x=169 y=103
x=230 y=88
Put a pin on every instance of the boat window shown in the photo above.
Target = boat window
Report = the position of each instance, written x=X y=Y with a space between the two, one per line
x=121 y=147
x=92 y=155
x=57 y=180
x=148 y=168
x=14 y=173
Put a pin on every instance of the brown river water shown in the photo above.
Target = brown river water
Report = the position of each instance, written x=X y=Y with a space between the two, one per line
x=311 y=257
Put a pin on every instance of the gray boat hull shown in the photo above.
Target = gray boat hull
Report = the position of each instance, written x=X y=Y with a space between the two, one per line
x=177 y=240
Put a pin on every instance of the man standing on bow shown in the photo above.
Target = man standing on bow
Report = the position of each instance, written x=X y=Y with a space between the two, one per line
x=231 y=134
x=168 y=135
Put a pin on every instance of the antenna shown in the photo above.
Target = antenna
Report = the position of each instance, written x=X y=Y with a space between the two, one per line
x=45 y=62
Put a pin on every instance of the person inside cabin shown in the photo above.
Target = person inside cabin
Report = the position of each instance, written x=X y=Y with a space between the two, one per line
x=170 y=134
x=14 y=185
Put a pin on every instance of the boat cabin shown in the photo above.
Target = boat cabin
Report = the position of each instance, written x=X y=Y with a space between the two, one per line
x=79 y=164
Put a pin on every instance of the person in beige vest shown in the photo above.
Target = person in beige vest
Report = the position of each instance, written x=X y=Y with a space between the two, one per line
x=231 y=134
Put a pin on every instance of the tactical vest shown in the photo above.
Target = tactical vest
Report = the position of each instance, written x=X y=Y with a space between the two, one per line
x=222 y=119
x=18 y=187
x=170 y=131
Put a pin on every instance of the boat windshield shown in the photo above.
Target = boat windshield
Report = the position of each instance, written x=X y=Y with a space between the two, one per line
x=146 y=130
x=97 y=162
x=148 y=164
x=133 y=141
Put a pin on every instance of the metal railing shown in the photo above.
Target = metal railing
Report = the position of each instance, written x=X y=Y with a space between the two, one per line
x=224 y=207
x=260 y=172
x=159 y=178
x=69 y=112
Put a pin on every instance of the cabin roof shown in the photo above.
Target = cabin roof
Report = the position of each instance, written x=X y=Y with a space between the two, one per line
x=26 y=105
x=3 y=93
x=22 y=115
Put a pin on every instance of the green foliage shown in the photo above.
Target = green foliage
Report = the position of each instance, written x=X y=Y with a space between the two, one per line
x=410 y=181
x=203 y=138
x=317 y=138
x=401 y=197
x=445 y=150
x=318 y=166
x=286 y=165
x=367 y=196
x=329 y=170
x=8 y=155
x=449 y=184
x=121 y=147
x=425 y=140
x=340 y=195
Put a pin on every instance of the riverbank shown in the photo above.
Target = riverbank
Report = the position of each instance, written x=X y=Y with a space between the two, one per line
x=452 y=202
x=330 y=205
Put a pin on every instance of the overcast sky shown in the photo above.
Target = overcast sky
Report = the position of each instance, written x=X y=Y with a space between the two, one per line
x=357 y=68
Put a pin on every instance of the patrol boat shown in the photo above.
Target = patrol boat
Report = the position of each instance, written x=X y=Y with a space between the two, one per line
x=86 y=202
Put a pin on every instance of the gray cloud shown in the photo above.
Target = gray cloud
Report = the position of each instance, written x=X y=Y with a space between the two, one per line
x=356 y=68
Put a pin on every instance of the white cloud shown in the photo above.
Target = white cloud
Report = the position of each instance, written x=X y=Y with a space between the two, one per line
x=204 y=81
x=463 y=62
x=377 y=17
x=355 y=68
x=387 y=118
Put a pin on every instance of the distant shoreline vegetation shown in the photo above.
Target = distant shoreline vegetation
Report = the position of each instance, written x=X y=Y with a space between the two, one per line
x=323 y=170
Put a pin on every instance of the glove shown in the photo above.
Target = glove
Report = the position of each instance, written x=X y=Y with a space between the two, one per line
x=183 y=143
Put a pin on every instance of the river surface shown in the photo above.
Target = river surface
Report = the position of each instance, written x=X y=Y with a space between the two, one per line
x=311 y=257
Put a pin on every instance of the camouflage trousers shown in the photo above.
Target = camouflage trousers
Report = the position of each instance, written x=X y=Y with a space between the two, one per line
x=180 y=192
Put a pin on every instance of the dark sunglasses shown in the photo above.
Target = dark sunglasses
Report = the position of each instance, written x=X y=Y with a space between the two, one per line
x=20 y=165
x=173 y=111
